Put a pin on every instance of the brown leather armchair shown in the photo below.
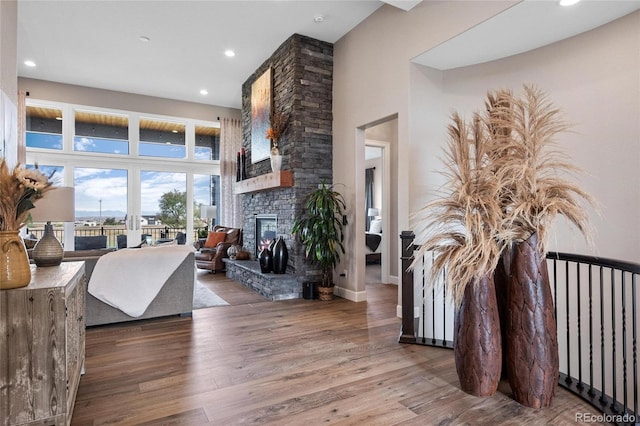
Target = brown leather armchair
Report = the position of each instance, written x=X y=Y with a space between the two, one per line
x=211 y=257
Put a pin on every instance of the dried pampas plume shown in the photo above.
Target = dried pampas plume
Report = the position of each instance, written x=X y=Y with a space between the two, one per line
x=503 y=183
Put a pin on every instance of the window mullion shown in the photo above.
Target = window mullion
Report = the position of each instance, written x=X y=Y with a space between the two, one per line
x=134 y=135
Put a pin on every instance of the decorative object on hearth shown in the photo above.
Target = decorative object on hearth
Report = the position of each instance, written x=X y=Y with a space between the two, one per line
x=321 y=231
x=278 y=125
x=505 y=188
x=233 y=251
x=265 y=258
x=19 y=189
x=243 y=255
x=280 y=256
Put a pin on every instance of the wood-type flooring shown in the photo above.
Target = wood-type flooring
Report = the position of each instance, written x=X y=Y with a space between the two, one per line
x=297 y=362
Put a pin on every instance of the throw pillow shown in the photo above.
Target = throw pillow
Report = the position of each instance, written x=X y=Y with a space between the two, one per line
x=376 y=226
x=214 y=238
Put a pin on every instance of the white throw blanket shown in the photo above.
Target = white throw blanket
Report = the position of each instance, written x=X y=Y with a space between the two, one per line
x=130 y=279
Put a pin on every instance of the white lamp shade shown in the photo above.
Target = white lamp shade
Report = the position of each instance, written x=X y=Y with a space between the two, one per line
x=57 y=205
x=373 y=212
x=208 y=212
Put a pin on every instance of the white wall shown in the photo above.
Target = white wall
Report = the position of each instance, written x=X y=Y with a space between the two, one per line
x=80 y=95
x=594 y=78
x=8 y=81
x=371 y=82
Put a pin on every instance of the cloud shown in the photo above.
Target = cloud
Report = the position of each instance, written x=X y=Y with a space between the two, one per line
x=83 y=144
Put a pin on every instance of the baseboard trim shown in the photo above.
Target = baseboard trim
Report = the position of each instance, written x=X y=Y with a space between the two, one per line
x=354 y=296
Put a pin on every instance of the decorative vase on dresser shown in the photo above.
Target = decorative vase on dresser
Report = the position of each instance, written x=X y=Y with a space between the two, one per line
x=42 y=345
x=15 y=271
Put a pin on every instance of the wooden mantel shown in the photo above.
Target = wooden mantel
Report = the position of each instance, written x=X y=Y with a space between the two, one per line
x=281 y=179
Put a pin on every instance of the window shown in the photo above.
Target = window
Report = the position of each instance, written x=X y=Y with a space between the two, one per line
x=207 y=143
x=99 y=132
x=44 y=127
x=162 y=139
x=123 y=163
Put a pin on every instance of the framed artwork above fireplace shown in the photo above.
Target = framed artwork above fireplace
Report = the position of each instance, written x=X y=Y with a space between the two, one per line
x=261 y=104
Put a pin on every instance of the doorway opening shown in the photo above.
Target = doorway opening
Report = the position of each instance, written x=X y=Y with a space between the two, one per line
x=380 y=210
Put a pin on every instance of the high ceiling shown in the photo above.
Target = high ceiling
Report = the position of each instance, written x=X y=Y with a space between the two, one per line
x=97 y=43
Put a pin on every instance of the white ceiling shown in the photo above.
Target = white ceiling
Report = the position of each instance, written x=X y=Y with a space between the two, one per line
x=96 y=43
x=525 y=26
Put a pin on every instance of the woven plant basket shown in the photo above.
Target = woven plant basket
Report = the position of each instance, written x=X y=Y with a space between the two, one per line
x=325 y=293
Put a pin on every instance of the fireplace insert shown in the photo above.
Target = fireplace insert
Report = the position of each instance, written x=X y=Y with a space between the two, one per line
x=266 y=230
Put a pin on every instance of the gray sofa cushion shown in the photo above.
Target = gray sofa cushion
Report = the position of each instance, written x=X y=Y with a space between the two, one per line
x=90 y=242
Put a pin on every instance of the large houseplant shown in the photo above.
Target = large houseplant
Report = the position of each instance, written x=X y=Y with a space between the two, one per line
x=321 y=231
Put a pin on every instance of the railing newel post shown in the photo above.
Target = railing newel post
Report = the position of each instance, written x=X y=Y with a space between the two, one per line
x=408 y=334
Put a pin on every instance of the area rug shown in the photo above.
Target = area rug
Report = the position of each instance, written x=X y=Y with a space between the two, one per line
x=205 y=298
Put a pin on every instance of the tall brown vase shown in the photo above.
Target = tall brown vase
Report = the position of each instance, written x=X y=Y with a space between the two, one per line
x=15 y=271
x=477 y=341
x=502 y=280
x=532 y=341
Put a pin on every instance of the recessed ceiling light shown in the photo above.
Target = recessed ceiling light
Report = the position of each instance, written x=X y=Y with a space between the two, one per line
x=145 y=39
x=30 y=63
x=174 y=131
x=568 y=2
x=59 y=118
x=229 y=53
x=318 y=18
x=204 y=92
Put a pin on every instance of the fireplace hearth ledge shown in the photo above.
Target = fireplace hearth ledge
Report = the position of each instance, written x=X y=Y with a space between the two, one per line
x=272 y=286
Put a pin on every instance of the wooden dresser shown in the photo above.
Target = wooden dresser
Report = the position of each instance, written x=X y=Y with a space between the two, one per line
x=42 y=335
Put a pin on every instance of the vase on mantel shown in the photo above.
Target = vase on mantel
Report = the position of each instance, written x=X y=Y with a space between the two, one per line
x=15 y=271
x=276 y=159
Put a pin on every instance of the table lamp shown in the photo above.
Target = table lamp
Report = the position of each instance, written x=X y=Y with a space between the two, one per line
x=56 y=205
x=209 y=212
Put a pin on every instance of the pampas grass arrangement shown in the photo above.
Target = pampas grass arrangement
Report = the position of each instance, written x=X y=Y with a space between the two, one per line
x=504 y=182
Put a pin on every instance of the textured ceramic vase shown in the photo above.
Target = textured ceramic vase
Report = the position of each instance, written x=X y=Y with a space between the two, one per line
x=280 y=256
x=276 y=163
x=477 y=341
x=502 y=280
x=532 y=341
x=15 y=271
x=265 y=258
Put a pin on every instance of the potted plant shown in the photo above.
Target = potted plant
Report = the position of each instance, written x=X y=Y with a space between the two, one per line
x=321 y=231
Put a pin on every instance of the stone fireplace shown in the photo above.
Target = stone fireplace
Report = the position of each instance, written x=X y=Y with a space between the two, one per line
x=302 y=88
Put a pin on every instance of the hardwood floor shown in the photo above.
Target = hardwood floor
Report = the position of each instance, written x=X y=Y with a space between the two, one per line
x=296 y=362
